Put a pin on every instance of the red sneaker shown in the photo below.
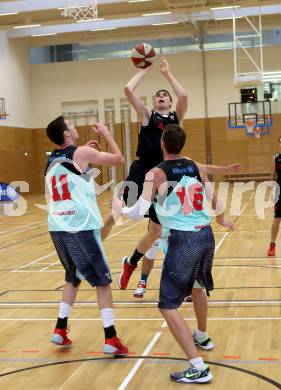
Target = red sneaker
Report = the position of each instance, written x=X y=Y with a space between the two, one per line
x=140 y=290
x=60 y=337
x=115 y=346
x=271 y=250
x=126 y=273
x=188 y=298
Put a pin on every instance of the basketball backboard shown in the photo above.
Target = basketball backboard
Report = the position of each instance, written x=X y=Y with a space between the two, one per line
x=255 y=117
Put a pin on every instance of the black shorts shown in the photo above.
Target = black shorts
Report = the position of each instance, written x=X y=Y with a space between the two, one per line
x=277 y=209
x=82 y=251
x=189 y=258
x=138 y=170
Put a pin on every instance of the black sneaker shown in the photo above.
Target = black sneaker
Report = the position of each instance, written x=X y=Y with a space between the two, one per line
x=192 y=375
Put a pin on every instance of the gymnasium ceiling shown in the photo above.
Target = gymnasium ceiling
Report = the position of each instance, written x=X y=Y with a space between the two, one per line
x=125 y=20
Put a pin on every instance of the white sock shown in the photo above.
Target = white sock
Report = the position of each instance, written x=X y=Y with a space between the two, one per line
x=202 y=335
x=65 y=309
x=198 y=363
x=107 y=316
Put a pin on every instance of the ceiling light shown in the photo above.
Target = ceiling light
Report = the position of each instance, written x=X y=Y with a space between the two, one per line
x=103 y=29
x=9 y=13
x=158 y=13
x=228 y=7
x=231 y=17
x=43 y=35
x=161 y=24
x=28 y=26
x=94 y=59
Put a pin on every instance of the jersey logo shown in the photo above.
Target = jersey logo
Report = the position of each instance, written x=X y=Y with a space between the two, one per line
x=190 y=169
x=160 y=126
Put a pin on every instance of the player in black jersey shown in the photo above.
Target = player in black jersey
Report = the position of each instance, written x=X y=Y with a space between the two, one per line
x=150 y=154
x=149 y=148
x=276 y=176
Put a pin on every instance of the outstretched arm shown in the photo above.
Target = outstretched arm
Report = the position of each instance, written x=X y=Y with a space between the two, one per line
x=177 y=87
x=85 y=155
x=143 y=112
x=213 y=169
x=144 y=202
x=273 y=169
x=217 y=205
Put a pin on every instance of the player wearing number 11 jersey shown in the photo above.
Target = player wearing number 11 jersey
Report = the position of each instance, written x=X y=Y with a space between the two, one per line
x=74 y=223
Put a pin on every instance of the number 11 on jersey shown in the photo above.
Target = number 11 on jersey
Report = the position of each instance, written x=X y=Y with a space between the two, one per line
x=65 y=195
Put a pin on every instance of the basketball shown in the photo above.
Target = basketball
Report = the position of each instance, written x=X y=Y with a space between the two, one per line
x=143 y=55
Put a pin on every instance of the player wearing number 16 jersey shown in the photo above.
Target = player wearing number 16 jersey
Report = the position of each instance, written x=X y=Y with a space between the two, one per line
x=178 y=189
x=74 y=223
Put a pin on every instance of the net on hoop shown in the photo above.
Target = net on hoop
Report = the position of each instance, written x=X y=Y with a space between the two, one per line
x=251 y=129
x=80 y=9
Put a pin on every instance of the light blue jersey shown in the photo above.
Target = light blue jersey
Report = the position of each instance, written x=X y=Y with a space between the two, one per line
x=73 y=205
x=185 y=207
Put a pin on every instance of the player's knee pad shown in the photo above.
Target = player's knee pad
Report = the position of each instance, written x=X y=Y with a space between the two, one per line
x=151 y=253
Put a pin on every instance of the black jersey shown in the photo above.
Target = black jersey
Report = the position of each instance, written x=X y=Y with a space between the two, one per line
x=176 y=169
x=278 y=167
x=149 y=148
x=60 y=155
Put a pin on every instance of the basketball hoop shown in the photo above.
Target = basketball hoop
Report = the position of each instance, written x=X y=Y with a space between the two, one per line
x=80 y=9
x=4 y=116
x=250 y=123
x=257 y=131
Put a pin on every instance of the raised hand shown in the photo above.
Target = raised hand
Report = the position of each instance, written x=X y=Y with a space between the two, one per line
x=93 y=144
x=101 y=129
x=164 y=66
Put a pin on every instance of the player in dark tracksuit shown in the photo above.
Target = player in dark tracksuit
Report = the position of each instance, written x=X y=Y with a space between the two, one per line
x=276 y=176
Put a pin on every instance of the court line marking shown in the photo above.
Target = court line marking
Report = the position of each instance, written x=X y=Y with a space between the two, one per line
x=221 y=241
x=150 y=361
x=48 y=266
x=117 y=270
x=227 y=233
x=150 y=319
x=3 y=235
x=33 y=262
x=139 y=362
x=129 y=303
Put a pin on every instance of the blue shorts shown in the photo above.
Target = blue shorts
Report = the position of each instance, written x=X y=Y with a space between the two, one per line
x=82 y=252
x=189 y=258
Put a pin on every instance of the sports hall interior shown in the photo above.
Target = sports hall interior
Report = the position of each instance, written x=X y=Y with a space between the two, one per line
x=82 y=74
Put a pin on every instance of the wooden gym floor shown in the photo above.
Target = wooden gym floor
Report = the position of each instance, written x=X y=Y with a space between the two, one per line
x=244 y=313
